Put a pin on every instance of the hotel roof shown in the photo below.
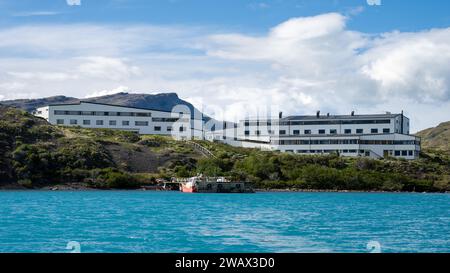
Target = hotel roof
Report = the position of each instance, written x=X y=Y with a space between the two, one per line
x=313 y=117
x=330 y=117
x=107 y=104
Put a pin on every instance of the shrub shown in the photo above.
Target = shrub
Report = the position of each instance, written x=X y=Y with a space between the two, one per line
x=118 y=180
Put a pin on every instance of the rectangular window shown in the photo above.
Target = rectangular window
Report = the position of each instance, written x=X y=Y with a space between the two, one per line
x=359 y=131
x=347 y=131
x=282 y=132
x=157 y=128
x=164 y=119
x=296 y=132
x=307 y=132
x=181 y=129
x=73 y=122
x=397 y=153
x=247 y=133
x=404 y=153
x=125 y=123
x=60 y=121
x=169 y=128
x=112 y=123
x=86 y=122
x=321 y=132
x=141 y=123
x=410 y=153
x=374 y=131
x=257 y=132
x=99 y=122
x=386 y=130
x=143 y=114
x=333 y=131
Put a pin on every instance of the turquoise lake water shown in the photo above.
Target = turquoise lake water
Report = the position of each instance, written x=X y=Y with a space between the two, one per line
x=135 y=221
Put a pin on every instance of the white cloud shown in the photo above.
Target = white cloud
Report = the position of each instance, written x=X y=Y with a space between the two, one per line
x=76 y=40
x=107 y=68
x=108 y=92
x=302 y=65
x=73 y=2
x=44 y=76
x=35 y=13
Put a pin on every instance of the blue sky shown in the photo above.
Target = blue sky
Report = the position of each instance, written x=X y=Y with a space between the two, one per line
x=244 y=15
x=232 y=56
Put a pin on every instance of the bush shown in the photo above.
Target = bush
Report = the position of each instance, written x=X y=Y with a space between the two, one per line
x=210 y=167
x=118 y=180
x=27 y=183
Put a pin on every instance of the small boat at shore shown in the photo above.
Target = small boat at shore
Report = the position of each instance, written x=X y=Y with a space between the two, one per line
x=201 y=184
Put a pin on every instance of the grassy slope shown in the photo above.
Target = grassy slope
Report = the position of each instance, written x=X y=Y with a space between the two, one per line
x=34 y=153
x=436 y=138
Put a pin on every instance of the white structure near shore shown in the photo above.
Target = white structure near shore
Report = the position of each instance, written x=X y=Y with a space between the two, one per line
x=140 y=120
x=375 y=136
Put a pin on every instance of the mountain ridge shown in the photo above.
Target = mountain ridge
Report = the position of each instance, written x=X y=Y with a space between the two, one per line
x=161 y=101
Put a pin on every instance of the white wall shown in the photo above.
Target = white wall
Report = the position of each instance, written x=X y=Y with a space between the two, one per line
x=152 y=127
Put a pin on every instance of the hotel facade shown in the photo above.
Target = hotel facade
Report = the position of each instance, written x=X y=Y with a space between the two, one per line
x=107 y=116
x=374 y=136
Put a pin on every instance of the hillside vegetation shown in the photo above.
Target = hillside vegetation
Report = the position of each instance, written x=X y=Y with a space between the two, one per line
x=436 y=139
x=35 y=154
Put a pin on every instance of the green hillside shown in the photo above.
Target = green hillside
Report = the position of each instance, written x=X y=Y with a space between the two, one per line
x=436 y=138
x=35 y=154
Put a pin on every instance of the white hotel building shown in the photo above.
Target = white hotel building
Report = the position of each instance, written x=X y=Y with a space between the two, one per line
x=140 y=120
x=375 y=136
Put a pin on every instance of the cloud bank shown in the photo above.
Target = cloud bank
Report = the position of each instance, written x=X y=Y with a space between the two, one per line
x=301 y=65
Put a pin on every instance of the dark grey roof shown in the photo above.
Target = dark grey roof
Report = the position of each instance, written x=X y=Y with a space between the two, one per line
x=314 y=117
x=98 y=103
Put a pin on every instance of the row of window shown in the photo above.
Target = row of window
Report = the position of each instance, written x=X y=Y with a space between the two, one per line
x=317 y=122
x=98 y=113
x=344 y=141
x=87 y=122
x=389 y=142
x=323 y=131
x=324 y=151
x=316 y=142
x=362 y=152
x=117 y=114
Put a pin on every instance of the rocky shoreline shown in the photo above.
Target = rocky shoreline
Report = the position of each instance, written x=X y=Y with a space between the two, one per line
x=85 y=187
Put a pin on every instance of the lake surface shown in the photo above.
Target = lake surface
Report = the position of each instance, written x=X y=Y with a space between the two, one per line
x=138 y=221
